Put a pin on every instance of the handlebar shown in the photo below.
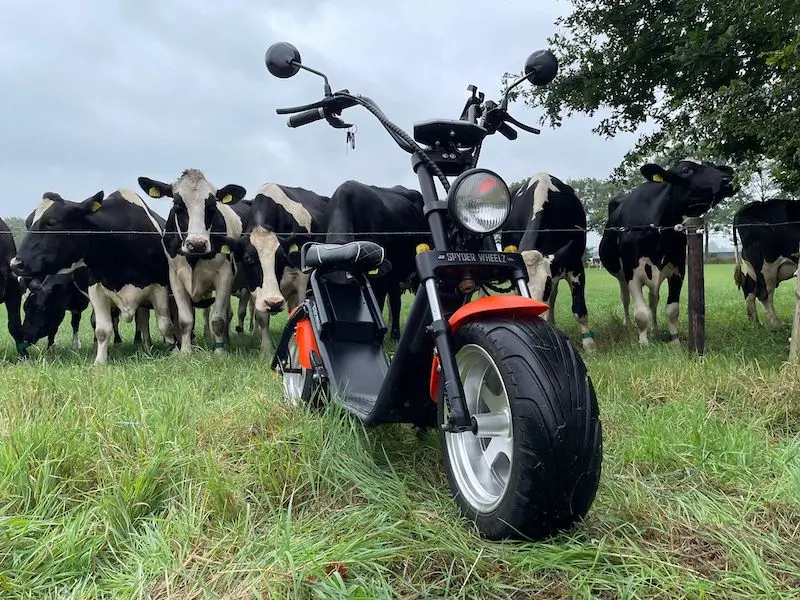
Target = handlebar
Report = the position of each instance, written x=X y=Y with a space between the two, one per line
x=494 y=118
x=306 y=117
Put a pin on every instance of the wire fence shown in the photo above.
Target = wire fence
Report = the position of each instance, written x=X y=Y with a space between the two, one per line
x=679 y=227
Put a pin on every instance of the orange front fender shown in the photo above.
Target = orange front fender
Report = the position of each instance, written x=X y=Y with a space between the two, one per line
x=514 y=306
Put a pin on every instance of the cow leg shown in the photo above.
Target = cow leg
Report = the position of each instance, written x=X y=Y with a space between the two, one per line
x=251 y=306
x=577 y=282
x=750 y=305
x=226 y=332
x=101 y=304
x=674 y=285
x=551 y=301
x=208 y=336
x=13 y=300
x=143 y=326
x=163 y=309
x=773 y=320
x=244 y=300
x=653 y=298
x=394 y=309
x=641 y=312
x=222 y=303
x=185 y=313
x=115 y=326
x=262 y=318
x=75 y=321
x=625 y=297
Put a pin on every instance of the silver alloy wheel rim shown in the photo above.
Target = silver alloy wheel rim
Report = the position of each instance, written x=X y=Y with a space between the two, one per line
x=293 y=382
x=481 y=466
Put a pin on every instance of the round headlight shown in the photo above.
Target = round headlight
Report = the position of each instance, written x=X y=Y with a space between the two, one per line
x=479 y=201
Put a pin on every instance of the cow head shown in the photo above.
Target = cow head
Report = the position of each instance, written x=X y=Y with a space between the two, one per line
x=194 y=211
x=703 y=184
x=42 y=308
x=264 y=258
x=540 y=275
x=48 y=247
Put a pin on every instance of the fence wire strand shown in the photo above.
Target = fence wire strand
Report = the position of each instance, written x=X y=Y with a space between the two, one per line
x=680 y=227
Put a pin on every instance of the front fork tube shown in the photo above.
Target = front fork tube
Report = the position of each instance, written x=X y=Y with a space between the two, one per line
x=522 y=286
x=459 y=417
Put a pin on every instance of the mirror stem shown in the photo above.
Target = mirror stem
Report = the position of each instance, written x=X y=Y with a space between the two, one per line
x=504 y=102
x=328 y=91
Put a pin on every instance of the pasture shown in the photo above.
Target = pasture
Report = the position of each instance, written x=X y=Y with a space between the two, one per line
x=167 y=477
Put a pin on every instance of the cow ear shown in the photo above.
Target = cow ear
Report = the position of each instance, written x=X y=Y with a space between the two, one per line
x=231 y=193
x=94 y=203
x=155 y=189
x=231 y=245
x=653 y=172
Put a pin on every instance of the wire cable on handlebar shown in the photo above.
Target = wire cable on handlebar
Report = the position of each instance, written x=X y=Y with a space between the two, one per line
x=407 y=139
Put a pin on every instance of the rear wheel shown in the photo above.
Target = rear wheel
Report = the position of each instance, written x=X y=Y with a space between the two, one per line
x=535 y=470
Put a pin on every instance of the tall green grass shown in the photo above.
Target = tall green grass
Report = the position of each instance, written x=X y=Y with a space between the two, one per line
x=162 y=476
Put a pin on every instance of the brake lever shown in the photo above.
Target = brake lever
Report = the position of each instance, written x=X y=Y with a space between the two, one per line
x=297 y=109
x=522 y=126
x=508 y=131
x=335 y=122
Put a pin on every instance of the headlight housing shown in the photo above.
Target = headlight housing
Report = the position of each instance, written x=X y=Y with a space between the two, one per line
x=479 y=201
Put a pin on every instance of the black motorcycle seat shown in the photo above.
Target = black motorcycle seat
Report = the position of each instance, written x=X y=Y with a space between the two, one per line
x=358 y=256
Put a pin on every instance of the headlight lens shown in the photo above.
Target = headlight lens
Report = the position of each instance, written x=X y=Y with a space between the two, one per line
x=479 y=201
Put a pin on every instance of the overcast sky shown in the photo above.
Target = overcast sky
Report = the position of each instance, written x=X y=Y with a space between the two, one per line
x=98 y=93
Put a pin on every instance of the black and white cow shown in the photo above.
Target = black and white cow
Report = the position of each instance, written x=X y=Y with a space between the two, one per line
x=358 y=211
x=281 y=220
x=46 y=303
x=200 y=221
x=640 y=245
x=119 y=239
x=10 y=290
x=770 y=235
x=553 y=220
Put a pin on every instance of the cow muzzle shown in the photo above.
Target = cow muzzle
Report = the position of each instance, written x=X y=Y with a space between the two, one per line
x=270 y=304
x=196 y=245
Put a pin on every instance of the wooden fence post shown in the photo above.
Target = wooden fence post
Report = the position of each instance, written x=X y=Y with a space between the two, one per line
x=697 y=302
x=794 y=342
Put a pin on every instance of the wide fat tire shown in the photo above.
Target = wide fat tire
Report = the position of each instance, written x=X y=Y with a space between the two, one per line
x=557 y=434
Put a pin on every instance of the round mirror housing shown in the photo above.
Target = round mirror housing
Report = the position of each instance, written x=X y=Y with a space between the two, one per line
x=541 y=67
x=283 y=60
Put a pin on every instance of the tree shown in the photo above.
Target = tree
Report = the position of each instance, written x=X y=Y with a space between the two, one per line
x=715 y=75
x=595 y=194
x=17 y=227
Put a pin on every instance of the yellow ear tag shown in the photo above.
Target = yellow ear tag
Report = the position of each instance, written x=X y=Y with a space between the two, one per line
x=154 y=193
x=422 y=248
x=658 y=178
x=225 y=249
x=226 y=199
x=373 y=272
x=511 y=248
x=96 y=206
x=293 y=248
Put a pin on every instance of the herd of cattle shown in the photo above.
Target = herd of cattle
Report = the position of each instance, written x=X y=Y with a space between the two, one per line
x=124 y=259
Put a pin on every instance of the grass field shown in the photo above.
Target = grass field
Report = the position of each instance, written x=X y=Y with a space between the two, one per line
x=164 y=477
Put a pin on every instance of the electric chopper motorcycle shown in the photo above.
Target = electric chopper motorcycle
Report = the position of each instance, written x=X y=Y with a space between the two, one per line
x=516 y=410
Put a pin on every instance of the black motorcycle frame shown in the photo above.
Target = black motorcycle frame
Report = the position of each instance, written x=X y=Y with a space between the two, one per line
x=456 y=256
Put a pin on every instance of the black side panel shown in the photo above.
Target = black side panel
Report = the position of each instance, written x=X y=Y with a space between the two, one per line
x=350 y=331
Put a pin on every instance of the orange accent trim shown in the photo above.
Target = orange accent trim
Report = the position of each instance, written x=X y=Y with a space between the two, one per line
x=306 y=342
x=513 y=305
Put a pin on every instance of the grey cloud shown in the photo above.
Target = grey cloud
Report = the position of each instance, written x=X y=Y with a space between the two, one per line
x=99 y=93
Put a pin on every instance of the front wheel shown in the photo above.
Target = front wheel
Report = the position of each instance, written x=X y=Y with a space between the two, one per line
x=535 y=470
